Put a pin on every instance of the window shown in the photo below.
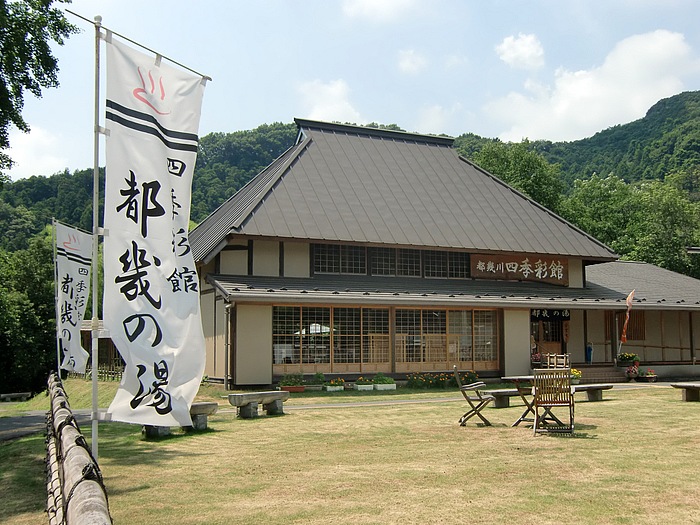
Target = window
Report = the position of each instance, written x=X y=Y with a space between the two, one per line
x=326 y=258
x=408 y=263
x=382 y=261
x=435 y=263
x=346 y=335
x=375 y=335
x=349 y=259
x=353 y=259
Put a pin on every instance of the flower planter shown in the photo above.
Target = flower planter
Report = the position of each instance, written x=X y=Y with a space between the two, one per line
x=646 y=379
x=317 y=388
x=385 y=386
x=333 y=388
x=293 y=388
x=575 y=381
x=362 y=387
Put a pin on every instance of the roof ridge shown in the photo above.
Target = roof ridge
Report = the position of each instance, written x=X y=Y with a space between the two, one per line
x=374 y=132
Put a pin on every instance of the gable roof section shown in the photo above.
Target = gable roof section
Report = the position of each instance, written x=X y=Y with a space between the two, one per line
x=352 y=184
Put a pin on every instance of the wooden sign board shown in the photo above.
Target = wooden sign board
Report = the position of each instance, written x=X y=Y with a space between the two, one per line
x=544 y=269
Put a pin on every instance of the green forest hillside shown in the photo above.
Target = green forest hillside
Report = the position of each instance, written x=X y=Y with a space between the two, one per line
x=582 y=180
x=666 y=140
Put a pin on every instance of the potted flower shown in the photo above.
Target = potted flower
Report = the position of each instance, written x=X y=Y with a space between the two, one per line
x=292 y=383
x=363 y=383
x=647 y=376
x=575 y=376
x=383 y=382
x=535 y=360
x=632 y=372
x=335 y=385
x=627 y=359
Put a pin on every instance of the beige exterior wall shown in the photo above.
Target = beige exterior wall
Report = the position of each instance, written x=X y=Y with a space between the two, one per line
x=266 y=258
x=204 y=270
x=575 y=273
x=516 y=341
x=576 y=346
x=297 y=261
x=234 y=262
x=220 y=339
x=206 y=302
x=253 y=364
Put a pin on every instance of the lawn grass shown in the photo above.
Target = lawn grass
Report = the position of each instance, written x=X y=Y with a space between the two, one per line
x=633 y=459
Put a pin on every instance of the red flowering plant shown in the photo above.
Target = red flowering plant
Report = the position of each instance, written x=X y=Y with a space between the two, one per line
x=646 y=373
x=632 y=371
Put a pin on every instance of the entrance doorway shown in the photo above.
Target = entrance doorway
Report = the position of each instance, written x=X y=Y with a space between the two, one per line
x=549 y=331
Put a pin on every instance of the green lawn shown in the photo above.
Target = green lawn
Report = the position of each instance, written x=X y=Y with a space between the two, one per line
x=632 y=460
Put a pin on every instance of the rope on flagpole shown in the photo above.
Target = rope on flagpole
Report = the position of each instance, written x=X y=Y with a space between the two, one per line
x=159 y=56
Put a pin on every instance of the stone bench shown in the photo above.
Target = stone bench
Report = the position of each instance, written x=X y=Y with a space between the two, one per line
x=247 y=403
x=16 y=396
x=691 y=391
x=593 y=391
x=502 y=396
x=199 y=412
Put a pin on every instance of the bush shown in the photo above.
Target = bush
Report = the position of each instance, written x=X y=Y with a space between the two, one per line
x=381 y=379
x=439 y=379
x=292 y=380
x=317 y=379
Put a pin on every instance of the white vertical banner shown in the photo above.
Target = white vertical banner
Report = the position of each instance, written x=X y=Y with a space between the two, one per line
x=73 y=260
x=151 y=303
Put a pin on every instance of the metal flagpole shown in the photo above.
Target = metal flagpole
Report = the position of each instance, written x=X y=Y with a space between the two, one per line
x=55 y=297
x=95 y=237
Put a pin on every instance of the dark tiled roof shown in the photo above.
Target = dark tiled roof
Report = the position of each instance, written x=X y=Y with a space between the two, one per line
x=607 y=288
x=359 y=185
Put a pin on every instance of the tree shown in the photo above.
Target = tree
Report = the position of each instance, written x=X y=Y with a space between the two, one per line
x=526 y=170
x=27 y=316
x=603 y=208
x=27 y=27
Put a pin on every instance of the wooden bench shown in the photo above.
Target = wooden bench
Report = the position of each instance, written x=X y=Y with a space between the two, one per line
x=21 y=396
x=247 y=403
x=691 y=391
x=594 y=391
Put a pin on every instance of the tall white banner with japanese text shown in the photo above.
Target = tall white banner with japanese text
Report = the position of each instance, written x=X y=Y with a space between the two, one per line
x=73 y=261
x=151 y=304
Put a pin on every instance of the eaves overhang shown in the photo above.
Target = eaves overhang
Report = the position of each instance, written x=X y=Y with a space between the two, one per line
x=430 y=292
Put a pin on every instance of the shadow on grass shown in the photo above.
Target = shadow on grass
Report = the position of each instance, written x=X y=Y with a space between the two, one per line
x=23 y=486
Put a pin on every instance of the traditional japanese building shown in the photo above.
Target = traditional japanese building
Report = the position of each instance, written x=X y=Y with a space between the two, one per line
x=362 y=250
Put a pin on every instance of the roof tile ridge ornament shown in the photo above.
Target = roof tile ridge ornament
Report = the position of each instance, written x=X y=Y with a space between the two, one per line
x=255 y=198
x=374 y=132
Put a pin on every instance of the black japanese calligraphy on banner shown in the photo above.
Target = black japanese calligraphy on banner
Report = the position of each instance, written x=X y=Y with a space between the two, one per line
x=73 y=261
x=151 y=305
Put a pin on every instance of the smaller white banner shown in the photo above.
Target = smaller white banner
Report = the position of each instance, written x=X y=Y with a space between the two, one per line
x=73 y=261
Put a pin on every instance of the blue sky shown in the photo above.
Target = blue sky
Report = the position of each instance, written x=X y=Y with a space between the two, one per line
x=554 y=69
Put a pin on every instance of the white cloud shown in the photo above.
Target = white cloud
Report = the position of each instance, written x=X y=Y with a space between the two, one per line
x=377 y=10
x=36 y=153
x=328 y=101
x=521 y=52
x=411 y=62
x=639 y=71
x=436 y=119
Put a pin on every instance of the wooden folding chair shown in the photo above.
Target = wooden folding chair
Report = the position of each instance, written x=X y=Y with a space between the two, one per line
x=552 y=389
x=477 y=401
x=555 y=361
